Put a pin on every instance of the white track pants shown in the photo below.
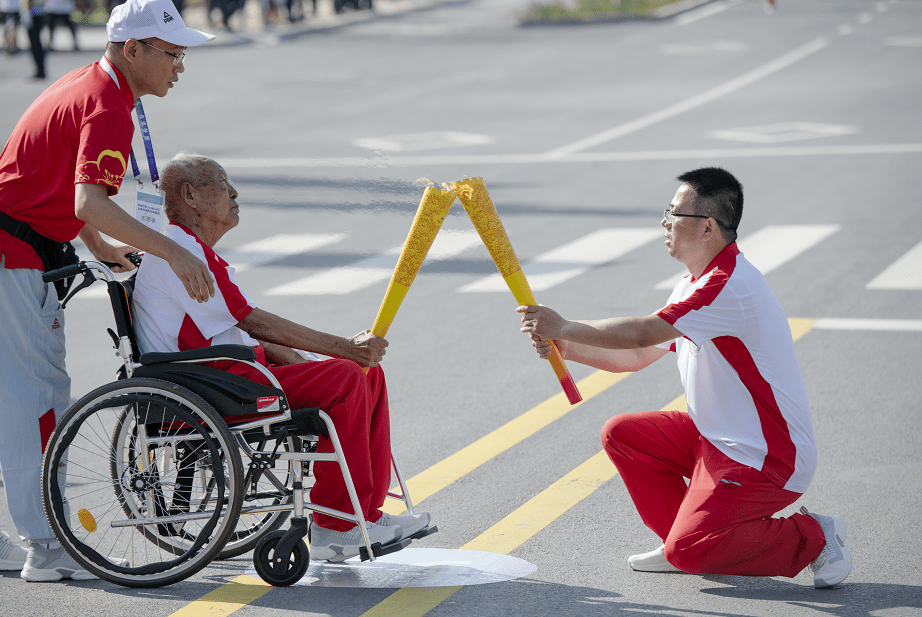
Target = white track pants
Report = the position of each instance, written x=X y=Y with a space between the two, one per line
x=34 y=391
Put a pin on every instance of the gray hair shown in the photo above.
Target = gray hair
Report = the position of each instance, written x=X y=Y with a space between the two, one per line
x=195 y=169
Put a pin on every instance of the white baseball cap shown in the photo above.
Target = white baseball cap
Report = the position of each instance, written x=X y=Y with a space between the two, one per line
x=143 y=19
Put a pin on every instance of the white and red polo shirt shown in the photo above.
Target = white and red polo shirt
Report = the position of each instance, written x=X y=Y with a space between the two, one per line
x=167 y=319
x=742 y=380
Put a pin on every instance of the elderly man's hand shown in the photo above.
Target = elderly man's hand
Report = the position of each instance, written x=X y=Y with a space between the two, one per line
x=194 y=274
x=366 y=348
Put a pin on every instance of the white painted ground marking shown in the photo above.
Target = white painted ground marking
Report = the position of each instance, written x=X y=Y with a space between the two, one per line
x=381 y=162
x=904 y=273
x=704 y=48
x=864 y=18
x=706 y=11
x=571 y=259
x=251 y=255
x=413 y=142
x=904 y=41
x=844 y=30
x=367 y=272
x=772 y=246
x=263 y=251
x=878 y=325
x=782 y=132
x=418 y=567
x=694 y=102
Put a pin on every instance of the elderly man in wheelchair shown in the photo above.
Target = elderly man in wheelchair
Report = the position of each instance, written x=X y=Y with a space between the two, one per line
x=176 y=468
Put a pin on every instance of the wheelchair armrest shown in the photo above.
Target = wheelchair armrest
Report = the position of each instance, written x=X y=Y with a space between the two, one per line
x=207 y=354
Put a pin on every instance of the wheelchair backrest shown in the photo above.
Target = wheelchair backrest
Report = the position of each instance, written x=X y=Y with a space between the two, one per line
x=120 y=296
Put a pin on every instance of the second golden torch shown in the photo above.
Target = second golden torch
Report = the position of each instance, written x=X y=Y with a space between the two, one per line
x=476 y=200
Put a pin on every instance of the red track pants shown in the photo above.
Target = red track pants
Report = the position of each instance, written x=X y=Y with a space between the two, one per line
x=357 y=404
x=721 y=522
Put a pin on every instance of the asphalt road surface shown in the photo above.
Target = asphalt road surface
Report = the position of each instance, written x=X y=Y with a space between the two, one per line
x=578 y=132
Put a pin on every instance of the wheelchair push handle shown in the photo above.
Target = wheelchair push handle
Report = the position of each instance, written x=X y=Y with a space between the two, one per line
x=63 y=273
x=84 y=266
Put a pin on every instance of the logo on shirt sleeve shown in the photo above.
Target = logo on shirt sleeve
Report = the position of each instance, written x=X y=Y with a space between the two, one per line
x=167 y=18
x=108 y=169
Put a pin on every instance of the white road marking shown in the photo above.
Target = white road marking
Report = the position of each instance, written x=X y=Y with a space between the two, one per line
x=694 y=102
x=582 y=157
x=904 y=273
x=705 y=11
x=878 y=325
x=782 y=132
x=412 y=142
x=374 y=269
x=263 y=251
x=772 y=246
x=904 y=41
x=571 y=259
x=704 y=48
x=253 y=254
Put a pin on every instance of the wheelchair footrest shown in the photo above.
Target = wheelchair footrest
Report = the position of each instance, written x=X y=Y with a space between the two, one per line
x=379 y=550
x=426 y=531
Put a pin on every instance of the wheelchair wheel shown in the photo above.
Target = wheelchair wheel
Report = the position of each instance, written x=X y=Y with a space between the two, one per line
x=280 y=575
x=142 y=482
x=264 y=486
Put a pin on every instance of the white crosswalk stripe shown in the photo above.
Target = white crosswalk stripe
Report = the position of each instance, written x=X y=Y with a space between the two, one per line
x=281 y=245
x=361 y=274
x=904 y=273
x=772 y=246
x=572 y=259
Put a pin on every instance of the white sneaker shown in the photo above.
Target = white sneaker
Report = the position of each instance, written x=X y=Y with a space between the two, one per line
x=654 y=561
x=12 y=555
x=835 y=562
x=408 y=523
x=52 y=564
x=329 y=545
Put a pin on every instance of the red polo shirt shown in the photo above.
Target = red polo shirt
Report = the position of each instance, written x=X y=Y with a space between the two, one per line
x=78 y=131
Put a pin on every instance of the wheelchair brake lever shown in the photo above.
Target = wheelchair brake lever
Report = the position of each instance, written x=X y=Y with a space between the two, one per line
x=88 y=279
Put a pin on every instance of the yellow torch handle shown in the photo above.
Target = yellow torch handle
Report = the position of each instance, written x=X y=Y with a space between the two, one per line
x=473 y=195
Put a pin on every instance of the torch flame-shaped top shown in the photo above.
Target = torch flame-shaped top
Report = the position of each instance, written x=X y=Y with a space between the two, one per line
x=476 y=200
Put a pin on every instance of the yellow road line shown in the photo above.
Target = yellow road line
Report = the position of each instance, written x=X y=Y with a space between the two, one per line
x=508 y=534
x=226 y=599
x=473 y=456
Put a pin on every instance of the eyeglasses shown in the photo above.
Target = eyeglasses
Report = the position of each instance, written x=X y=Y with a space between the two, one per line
x=177 y=58
x=668 y=214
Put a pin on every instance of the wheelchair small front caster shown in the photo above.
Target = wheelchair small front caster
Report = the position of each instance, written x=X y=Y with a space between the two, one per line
x=280 y=570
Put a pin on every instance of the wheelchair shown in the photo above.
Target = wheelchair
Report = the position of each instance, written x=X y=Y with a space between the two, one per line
x=148 y=479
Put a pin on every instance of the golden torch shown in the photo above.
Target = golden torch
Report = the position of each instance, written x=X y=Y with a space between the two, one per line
x=433 y=208
x=476 y=200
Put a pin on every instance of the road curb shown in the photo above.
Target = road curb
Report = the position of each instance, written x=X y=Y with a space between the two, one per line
x=665 y=12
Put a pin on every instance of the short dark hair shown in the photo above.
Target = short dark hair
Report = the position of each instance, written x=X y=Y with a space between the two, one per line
x=719 y=195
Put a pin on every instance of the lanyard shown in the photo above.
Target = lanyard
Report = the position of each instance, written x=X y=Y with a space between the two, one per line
x=145 y=134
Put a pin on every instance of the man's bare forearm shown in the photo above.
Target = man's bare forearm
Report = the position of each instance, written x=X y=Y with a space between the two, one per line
x=622 y=333
x=95 y=208
x=269 y=327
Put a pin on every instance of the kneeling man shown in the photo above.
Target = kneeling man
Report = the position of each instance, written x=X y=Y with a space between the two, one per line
x=201 y=206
